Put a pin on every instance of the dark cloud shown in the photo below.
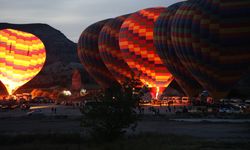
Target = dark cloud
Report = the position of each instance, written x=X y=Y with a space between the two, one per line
x=71 y=16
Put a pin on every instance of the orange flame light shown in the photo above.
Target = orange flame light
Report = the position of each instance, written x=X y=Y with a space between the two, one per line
x=22 y=56
x=156 y=92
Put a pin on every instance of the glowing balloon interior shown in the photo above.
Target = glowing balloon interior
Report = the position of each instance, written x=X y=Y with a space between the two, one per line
x=22 y=56
x=136 y=43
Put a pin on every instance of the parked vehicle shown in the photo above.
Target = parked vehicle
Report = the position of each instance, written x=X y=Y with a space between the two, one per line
x=247 y=102
x=41 y=99
x=35 y=112
x=24 y=106
x=229 y=109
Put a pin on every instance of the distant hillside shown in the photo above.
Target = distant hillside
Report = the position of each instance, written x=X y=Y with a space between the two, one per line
x=61 y=58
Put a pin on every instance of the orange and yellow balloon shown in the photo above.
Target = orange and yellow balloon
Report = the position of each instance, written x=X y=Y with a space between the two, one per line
x=22 y=56
x=137 y=46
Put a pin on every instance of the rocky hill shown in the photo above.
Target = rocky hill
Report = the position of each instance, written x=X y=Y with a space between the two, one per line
x=61 y=53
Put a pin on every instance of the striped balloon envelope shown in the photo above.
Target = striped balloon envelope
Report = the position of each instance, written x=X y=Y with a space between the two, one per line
x=89 y=55
x=212 y=39
x=166 y=51
x=110 y=50
x=22 y=56
x=139 y=52
x=76 y=82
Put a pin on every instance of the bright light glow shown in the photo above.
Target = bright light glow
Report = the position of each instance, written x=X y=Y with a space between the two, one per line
x=39 y=107
x=83 y=92
x=66 y=93
x=164 y=104
x=157 y=92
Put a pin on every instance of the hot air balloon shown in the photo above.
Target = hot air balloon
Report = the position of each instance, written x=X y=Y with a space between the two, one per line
x=139 y=52
x=212 y=39
x=22 y=56
x=110 y=50
x=76 y=83
x=89 y=55
x=166 y=51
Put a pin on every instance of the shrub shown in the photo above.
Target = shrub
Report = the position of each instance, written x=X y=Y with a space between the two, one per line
x=113 y=113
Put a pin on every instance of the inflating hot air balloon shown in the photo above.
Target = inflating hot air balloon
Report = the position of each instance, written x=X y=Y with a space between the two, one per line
x=110 y=50
x=166 y=51
x=136 y=43
x=212 y=39
x=22 y=56
x=89 y=55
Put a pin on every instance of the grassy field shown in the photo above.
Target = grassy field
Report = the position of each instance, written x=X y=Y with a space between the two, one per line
x=138 y=142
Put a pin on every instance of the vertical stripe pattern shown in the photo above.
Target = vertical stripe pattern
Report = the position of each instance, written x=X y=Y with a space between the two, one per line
x=166 y=51
x=110 y=50
x=89 y=55
x=212 y=38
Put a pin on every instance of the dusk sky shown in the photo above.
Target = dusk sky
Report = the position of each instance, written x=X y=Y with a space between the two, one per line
x=71 y=17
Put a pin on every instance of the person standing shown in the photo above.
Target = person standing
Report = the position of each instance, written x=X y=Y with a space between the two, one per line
x=55 y=110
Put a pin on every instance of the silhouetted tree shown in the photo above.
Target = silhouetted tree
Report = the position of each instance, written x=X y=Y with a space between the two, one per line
x=114 y=113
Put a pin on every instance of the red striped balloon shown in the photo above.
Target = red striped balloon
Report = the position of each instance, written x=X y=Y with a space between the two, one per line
x=136 y=43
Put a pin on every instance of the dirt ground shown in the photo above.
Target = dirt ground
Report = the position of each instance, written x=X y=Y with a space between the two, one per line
x=207 y=130
x=67 y=120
